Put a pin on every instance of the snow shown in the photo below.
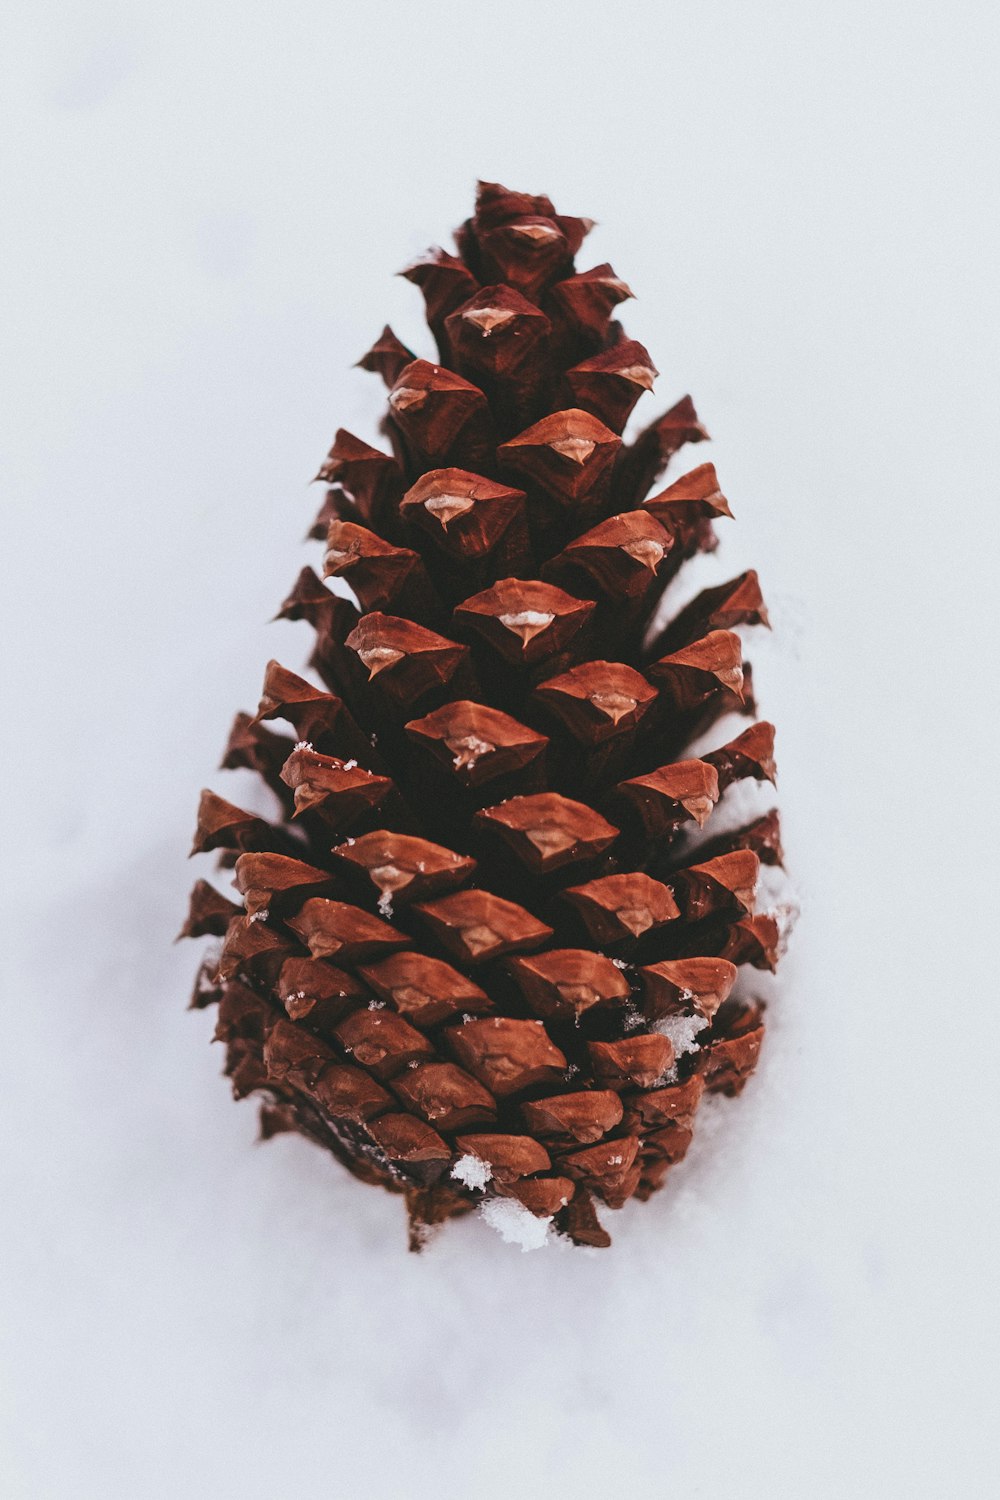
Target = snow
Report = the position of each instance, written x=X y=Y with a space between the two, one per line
x=472 y=1171
x=683 y=1031
x=204 y=207
x=515 y=1224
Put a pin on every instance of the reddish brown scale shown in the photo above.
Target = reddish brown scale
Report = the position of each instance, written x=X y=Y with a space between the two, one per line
x=523 y=623
x=382 y=576
x=579 y=1222
x=735 y=1046
x=726 y=884
x=637 y=1061
x=520 y=239
x=475 y=926
x=763 y=836
x=689 y=502
x=476 y=744
x=506 y=1054
x=222 y=825
x=209 y=912
x=606 y=1168
x=619 y=909
x=331 y=618
x=206 y=989
x=670 y=797
x=507 y=1156
x=738 y=602
x=446 y=282
x=543 y=1196
x=251 y=747
x=294 y=1056
x=674 y=1105
x=565 y=983
x=580 y=308
x=565 y=464
x=585 y=1116
x=337 y=930
x=477 y=528
x=499 y=340
x=445 y=1096
x=275 y=883
x=411 y=1144
x=686 y=986
x=317 y=994
x=319 y=719
x=241 y=1013
x=351 y=1094
x=545 y=832
x=615 y=562
x=643 y=462
x=597 y=700
x=440 y=420
x=425 y=990
x=372 y=479
x=752 y=940
x=609 y=384
x=750 y=754
x=381 y=1041
x=340 y=792
x=397 y=665
x=402 y=869
x=387 y=357
x=695 y=673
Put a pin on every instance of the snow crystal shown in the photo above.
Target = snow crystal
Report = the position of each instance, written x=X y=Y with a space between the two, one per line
x=376 y=1005
x=259 y=916
x=385 y=904
x=350 y=765
x=303 y=744
x=516 y=1224
x=472 y=1172
x=682 y=1031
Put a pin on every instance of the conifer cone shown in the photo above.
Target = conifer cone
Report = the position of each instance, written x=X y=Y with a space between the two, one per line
x=485 y=953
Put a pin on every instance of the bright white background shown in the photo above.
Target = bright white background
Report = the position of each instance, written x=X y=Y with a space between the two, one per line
x=204 y=205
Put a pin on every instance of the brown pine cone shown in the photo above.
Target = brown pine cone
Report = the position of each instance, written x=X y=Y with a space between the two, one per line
x=486 y=957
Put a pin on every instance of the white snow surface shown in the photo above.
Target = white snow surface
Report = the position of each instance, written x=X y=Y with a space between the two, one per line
x=204 y=210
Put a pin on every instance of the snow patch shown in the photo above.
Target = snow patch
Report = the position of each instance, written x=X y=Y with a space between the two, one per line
x=472 y=1172
x=682 y=1031
x=516 y=1224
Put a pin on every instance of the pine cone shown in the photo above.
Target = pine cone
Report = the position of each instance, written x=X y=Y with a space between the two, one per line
x=483 y=957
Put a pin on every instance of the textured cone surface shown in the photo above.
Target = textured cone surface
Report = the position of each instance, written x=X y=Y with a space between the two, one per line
x=490 y=948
